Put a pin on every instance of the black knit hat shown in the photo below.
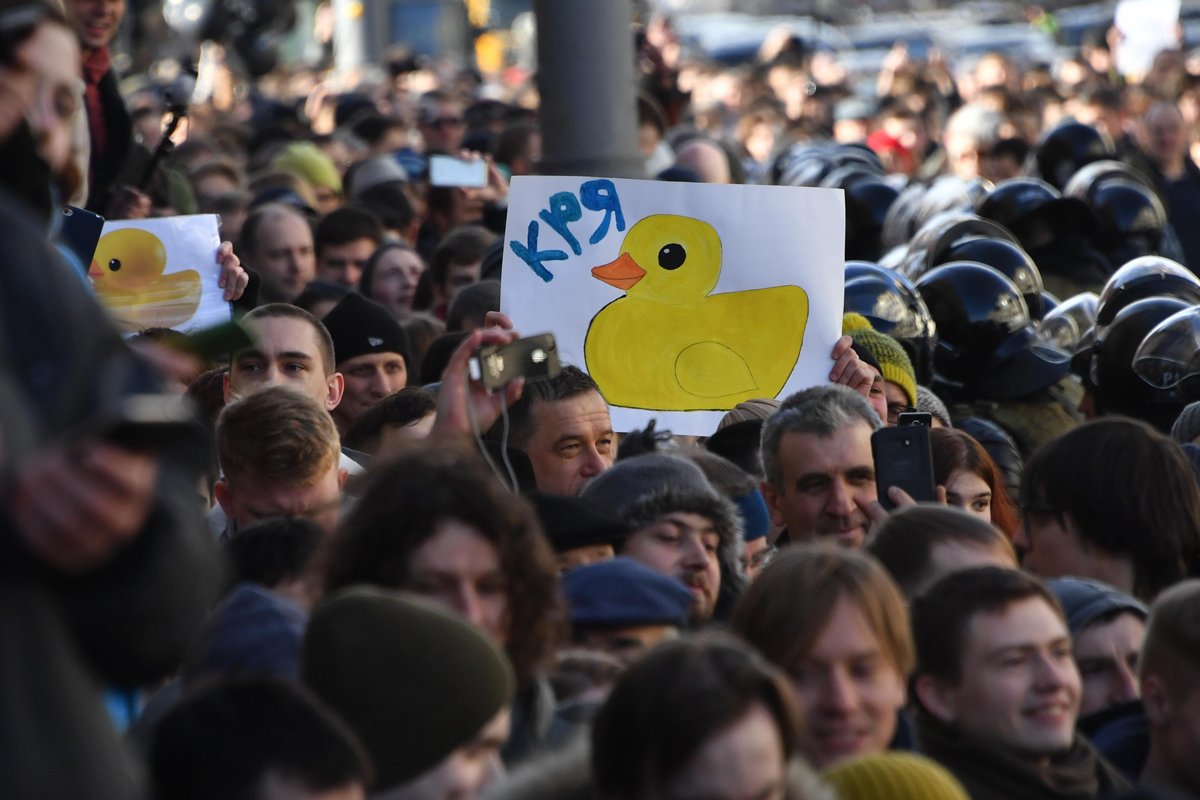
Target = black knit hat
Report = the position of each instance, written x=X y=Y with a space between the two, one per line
x=360 y=326
x=572 y=522
x=414 y=682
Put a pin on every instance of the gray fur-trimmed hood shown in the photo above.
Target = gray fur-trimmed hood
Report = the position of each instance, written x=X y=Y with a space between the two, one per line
x=712 y=506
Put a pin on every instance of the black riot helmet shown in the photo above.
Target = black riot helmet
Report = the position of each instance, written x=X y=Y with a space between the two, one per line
x=1068 y=324
x=1098 y=172
x=900 y=223
x=949 y=193
x=868 y=198
x=893 y=306
x=1130 y=220
x=940 y=232
x=1066 y=148
x=986 y=343
x=1034 y=210
x=1050 y=301
x=809 y=163
x=1000 y=446
x=1148 y=276
x=1169 y=357
x=1117 y=388
x=1003 y=255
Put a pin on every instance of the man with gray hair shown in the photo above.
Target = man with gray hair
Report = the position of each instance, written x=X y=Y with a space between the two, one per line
x=971 y=133
x=820 y=477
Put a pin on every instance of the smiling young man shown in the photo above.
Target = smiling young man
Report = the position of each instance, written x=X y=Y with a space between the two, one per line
x=998 y=692
x=847 y=647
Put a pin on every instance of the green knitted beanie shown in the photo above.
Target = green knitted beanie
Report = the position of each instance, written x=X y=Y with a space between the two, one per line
x=414 y=682
x=893 y=361
x=306 y=160
x=894 y=776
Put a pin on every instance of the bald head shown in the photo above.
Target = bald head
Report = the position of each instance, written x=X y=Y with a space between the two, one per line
x=706 y=159
x=278 y=242
x=1166 y=140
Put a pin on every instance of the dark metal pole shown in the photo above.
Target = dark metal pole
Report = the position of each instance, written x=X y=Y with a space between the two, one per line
x=588 y=90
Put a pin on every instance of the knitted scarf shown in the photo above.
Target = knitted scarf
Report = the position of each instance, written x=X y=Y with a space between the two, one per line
x=994 y=773
x=95 y=66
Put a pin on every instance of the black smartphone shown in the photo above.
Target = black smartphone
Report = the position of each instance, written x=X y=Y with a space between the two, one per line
x=903 y=458
x=80 y=232
x=149 y=423
x=915 y=418
x=534 y=358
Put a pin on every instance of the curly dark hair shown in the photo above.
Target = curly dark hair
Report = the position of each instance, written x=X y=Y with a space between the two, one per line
x=401 y=507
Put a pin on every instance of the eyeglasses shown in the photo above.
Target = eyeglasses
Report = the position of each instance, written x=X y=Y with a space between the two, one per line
x=761 y=558
x=1039 y=508
x=446 y=122
x=894 y=410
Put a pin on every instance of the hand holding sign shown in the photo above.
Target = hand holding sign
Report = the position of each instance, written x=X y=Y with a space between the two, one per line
x=680 y=300
x=171 y=272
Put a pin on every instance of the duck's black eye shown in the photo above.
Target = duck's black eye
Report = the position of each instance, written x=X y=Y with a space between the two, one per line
x=114 y=264
x=672 y=256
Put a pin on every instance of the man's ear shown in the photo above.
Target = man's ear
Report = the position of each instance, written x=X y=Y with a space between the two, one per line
x=938 y=697
x=343 y=474
x=1155 y=700
x=769 y=495
x=224 y=496
x=225 y=387
x=336 y=386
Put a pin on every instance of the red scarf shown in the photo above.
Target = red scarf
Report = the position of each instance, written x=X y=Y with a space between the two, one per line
x=95 y=66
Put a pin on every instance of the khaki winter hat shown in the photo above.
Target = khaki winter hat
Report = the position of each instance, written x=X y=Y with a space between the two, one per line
x=412 y=681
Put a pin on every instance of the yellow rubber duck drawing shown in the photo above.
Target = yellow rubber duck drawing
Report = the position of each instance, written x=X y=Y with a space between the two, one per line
x=127 y=274
x=669 y=345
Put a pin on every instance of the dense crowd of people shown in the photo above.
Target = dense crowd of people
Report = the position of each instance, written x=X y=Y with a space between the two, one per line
x=352 y=571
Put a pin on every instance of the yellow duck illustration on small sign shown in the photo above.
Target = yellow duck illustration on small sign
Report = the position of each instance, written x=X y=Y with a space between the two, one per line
x=670 y=345
x=127 y=274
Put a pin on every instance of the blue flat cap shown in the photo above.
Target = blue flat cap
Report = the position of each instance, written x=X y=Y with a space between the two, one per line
x=622 y=593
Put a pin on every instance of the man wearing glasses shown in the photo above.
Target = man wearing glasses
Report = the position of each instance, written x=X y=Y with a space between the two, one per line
x=441 y=122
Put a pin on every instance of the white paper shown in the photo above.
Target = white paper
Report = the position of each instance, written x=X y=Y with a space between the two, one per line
x=1147 y=28
x=656 y=350
x=160 y=273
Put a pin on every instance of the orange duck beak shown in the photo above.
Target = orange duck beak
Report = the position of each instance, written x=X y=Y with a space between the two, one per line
x=622 y=273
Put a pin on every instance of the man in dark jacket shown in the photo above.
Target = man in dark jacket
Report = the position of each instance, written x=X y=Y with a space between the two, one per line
x=998 y=692
x=105 y=569
x=110 y=128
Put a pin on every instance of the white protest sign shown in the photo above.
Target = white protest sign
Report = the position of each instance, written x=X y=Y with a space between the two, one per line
x=680 y=300
x=160 y=273
x=1147 y=28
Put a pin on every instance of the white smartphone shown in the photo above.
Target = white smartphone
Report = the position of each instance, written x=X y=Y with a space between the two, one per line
x=451 y=171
